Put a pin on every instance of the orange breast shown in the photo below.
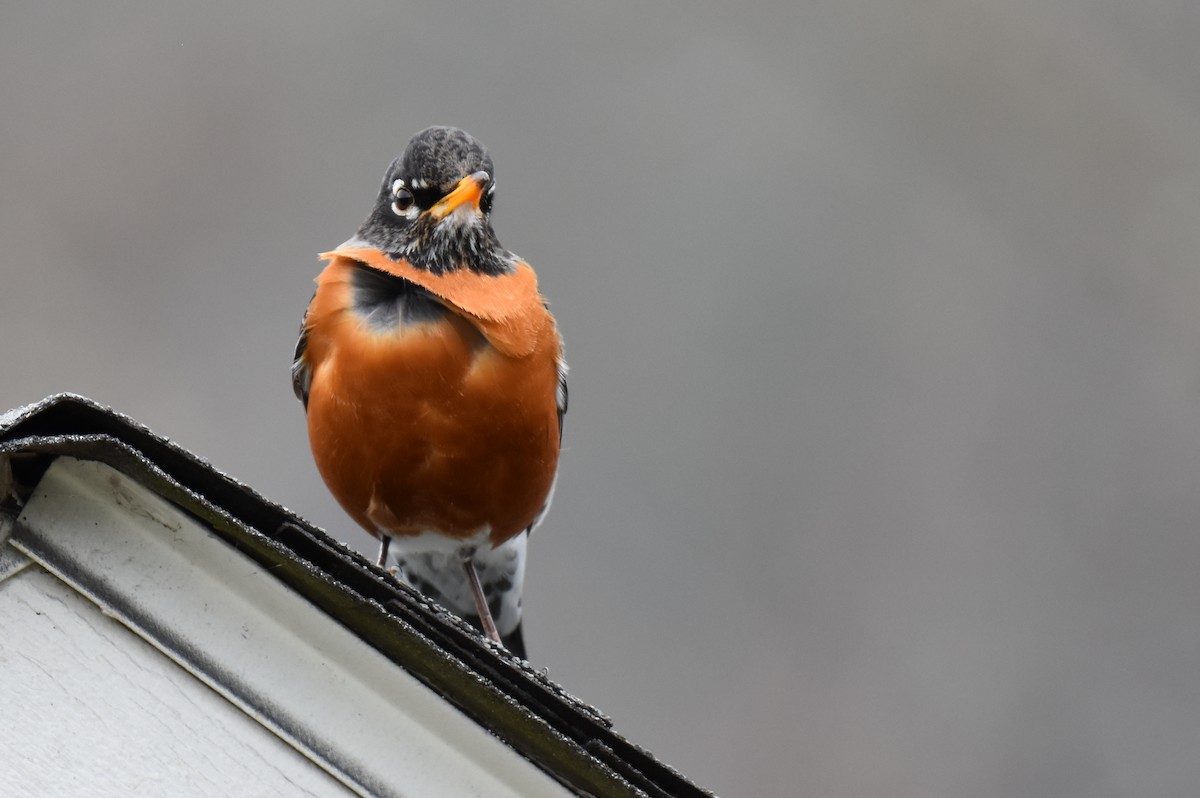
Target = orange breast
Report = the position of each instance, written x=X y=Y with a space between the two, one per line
x=432 y=426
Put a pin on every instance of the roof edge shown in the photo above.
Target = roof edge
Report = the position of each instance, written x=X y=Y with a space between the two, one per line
x=567 y=738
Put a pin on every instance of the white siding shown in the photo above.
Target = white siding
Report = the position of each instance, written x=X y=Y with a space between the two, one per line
x=216 y=613
x=89 y=708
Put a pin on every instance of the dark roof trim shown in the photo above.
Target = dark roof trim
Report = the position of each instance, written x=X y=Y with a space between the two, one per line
x=569 y=740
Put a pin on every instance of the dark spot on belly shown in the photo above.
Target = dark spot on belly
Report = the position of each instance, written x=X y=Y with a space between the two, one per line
x=387 y=302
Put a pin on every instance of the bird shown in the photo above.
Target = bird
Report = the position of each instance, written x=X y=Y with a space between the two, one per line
x=434 y=384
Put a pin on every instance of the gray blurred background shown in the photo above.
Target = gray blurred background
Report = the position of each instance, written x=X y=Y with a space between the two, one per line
x=884 y=323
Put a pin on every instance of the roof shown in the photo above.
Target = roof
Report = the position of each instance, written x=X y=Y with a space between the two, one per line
x=72 y=447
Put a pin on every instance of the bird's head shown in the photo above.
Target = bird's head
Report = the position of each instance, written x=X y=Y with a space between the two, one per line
x=434 y=207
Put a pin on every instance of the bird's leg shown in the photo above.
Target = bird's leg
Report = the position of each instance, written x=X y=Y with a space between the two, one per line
x=384 y=542
x=481 y=606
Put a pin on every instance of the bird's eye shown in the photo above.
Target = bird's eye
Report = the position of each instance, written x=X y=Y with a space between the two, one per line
x=489 y=197
x=402 y=200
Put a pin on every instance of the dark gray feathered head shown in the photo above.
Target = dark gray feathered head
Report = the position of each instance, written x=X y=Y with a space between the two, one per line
x=434 y=207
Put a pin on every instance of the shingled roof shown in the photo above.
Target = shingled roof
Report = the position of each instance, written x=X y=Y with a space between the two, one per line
x=566 y=739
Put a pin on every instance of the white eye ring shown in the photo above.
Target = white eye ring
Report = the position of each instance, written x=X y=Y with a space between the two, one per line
x=401 y=194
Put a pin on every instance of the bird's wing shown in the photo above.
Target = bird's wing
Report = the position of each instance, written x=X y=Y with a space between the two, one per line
x=301 y=373
x=561 y=397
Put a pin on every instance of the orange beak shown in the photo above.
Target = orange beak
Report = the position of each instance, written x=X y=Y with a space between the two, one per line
x=468 y=192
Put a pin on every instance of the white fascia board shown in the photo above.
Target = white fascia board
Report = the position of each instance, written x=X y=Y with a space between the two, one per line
x=12 y=562
x=283 y=661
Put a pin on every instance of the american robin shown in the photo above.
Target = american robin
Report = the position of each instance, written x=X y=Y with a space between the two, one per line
x=434 y=382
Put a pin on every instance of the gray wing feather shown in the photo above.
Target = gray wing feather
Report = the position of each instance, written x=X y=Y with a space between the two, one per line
x=301 y=373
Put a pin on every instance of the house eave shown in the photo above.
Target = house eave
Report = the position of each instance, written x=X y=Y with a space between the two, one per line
x=565 y=738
